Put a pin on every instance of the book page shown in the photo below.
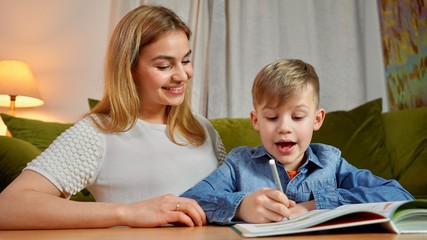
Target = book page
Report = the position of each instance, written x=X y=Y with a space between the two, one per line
x=369 y=213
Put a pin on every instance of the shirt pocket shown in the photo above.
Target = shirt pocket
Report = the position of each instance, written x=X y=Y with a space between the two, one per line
x=315 y=185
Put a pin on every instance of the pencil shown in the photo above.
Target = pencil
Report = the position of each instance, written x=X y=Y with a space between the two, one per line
x=275 y=175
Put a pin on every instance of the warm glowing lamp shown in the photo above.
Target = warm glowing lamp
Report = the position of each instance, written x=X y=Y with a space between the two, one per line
x=17 y=86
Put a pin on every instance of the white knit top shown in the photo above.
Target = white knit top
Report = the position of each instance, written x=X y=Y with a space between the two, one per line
x=125 y=167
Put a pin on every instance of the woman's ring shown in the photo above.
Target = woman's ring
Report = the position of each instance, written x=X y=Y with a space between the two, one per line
x=177 y=207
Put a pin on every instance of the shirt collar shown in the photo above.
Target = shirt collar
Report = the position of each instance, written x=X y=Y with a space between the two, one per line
x=261 y=153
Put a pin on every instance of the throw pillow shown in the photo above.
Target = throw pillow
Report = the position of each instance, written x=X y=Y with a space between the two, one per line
x=359 y=134
x=14 y=156
x=39 y=133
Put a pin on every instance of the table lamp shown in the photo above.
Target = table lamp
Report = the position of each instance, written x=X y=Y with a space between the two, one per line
x=17 y=86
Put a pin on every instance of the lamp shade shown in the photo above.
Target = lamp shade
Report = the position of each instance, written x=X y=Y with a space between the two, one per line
x=17 y=81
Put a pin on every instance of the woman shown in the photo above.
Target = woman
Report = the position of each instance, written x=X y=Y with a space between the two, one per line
x=135 y=150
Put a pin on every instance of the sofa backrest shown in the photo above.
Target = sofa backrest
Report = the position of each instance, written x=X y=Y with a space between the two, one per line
x=406 y=141
x=358 y=133
x=236 y=132
x=392 y=145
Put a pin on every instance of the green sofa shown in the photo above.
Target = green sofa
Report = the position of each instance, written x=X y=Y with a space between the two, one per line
x=390 y=144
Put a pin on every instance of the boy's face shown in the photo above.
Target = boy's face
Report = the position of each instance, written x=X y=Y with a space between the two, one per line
x=286 y=130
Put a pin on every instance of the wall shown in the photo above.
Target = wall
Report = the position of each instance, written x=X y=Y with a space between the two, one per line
x=64 y=43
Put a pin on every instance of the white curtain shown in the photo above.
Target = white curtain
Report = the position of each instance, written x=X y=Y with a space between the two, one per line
x=233 y=39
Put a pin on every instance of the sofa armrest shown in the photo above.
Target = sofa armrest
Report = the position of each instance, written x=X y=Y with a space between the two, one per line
x=14 y=156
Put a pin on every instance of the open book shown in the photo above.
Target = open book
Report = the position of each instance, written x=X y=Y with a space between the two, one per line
x=396 y=217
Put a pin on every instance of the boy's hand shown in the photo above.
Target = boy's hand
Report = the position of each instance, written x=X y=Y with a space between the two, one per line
x=264 y=205
x=302 y=208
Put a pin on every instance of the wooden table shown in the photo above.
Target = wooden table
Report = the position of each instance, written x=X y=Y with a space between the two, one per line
x=186 y=233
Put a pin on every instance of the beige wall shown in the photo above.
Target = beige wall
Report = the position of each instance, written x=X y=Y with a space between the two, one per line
x=64 y=43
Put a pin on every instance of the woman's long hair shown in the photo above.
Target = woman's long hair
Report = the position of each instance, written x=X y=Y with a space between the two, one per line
x=119 y=108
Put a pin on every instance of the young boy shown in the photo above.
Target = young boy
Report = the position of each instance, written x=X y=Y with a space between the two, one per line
x=314 y=176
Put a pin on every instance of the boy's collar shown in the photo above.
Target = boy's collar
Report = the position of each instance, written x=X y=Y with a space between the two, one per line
x=260 y=153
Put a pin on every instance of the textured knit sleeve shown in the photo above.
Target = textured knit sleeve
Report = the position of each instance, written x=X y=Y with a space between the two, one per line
x=73 y=160
x=218 y=146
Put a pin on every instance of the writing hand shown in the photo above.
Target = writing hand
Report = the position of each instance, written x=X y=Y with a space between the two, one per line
x=264 y=205
x=302 y=208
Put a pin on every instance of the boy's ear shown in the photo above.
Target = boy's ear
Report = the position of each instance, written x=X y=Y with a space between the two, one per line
x=320 y=117
x=254 y=120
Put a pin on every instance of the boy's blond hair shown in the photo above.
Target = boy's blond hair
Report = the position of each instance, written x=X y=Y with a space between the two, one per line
x=282 y=80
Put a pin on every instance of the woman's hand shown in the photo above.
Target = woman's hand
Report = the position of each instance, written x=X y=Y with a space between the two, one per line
x=166 y=209
x=265 y=205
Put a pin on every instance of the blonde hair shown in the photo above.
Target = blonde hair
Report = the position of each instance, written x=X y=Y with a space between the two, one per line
x=282 y=80
x=119 y=108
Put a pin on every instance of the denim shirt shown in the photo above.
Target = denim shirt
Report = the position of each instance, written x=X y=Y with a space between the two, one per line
x=325 y=177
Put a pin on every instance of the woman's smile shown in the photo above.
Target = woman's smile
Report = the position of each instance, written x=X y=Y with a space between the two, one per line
x=174 y=90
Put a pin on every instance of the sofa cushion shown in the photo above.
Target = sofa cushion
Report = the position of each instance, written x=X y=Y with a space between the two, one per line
x=14 y=155
x=39 y=133
x=406 y=139
x=359 y=134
